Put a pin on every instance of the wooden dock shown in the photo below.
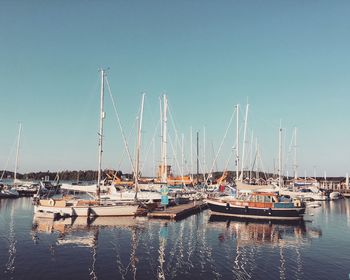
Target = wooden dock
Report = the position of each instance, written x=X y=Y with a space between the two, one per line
x=178 y=211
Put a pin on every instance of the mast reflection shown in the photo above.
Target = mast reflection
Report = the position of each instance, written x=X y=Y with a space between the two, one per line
x=84 y=232
x=10 y=265
x=248 y=232
x=251 y=236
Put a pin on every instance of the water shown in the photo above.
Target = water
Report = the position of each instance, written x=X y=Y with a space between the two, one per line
x=195 y=248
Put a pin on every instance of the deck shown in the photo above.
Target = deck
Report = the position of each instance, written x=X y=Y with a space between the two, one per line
x=179 y=211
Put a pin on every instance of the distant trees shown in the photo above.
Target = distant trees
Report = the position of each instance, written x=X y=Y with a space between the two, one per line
x=66 y=175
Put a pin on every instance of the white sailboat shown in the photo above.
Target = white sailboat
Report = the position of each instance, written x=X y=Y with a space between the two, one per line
x=241 y=184
x=110 y=192
x=79 y=207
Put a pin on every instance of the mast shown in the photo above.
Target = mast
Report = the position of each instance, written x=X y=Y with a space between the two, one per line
x=280 y=182
x=161 y=167
x=138 y=148
x=17 y=152
x=100 y=134
x=182 y=158
x=204 y=152
x=295 y=154
x=244 y=139
x=256 y=159
x=237 y=142
x=197 y=154
x=191 y=152
x=251 y=157
x=164 y=149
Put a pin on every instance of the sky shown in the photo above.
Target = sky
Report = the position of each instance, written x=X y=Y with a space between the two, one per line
x=288 y=59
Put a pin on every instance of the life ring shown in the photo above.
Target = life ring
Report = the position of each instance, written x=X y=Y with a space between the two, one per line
x=51 y=202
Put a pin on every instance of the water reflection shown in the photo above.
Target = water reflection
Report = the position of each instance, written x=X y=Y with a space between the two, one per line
x=251 y=237
x=10 y=265
x=196 y=247
x=84 y=233
x=247 y=232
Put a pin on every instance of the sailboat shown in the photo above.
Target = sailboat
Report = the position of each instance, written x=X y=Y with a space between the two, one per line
x=120 y=192
x=22 y=187
x=79 y=207
x=7 y=191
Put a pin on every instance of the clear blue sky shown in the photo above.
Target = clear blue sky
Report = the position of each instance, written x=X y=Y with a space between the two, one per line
x=290 y=59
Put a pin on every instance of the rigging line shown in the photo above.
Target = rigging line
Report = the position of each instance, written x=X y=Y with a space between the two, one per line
x=175 y=157
x=120 y=126
x=254 y=161
x=177 y=138
x=287 y=163
x=227 y=162
x=286 y=153
x=8 y=158
x=150 y=144
x=262 y=165
x=124 y=152
x=222 y=142
x=153 y=117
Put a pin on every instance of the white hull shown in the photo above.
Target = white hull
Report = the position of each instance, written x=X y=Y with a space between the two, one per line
x=130 y=196
x=113 y=210
x=84 y=211
x=304 y=195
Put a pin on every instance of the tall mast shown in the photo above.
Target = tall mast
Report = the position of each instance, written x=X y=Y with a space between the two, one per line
x=100 y=134
x=295 y=155
x=244 y=139
x=17 y=152
x=280 y=183
x=251 y=157
x=138 y=148
x=204 y=151
x=182 y=157
x=256 y=159
x=237 y=142
x=197 y=154
x=191 y=152
x=165 y=168
x=161 y=167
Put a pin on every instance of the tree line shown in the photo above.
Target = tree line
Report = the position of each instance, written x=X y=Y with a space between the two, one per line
x=66 y=175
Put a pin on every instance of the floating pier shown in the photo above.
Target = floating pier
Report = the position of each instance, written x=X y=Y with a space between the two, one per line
x=178 y=211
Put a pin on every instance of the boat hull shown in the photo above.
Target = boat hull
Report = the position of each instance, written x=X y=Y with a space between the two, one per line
x=113 y=210
x=227 y=209
x=85 y=211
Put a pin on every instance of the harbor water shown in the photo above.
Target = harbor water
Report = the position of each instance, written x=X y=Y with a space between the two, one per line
x=198 y=247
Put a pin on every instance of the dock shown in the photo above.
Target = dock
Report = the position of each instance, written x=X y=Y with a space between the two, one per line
x=178 y=211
